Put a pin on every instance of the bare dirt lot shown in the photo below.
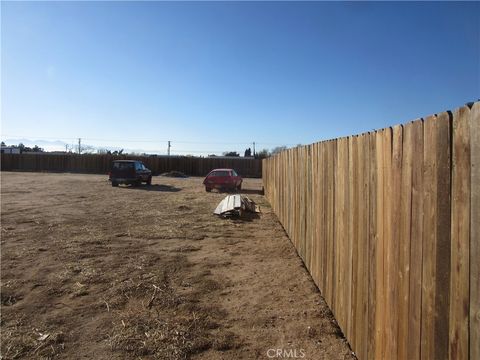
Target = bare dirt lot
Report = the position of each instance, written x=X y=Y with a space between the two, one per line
x=91 y=271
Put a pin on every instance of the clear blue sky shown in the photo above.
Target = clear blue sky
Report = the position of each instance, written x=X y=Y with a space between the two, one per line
x=223 y=72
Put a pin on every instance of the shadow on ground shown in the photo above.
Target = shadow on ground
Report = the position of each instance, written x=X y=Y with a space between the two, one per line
x=246 y=216
x=154 y=187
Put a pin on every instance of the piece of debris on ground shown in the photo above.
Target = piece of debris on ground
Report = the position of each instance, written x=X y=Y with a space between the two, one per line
x=236 y=205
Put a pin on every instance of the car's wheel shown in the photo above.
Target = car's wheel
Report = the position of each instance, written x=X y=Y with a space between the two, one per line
x=114 y=184
x=207 y=189
x=149 y=181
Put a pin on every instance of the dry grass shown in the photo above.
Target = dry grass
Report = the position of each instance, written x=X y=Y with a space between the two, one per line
x=127 y=273
x=20 y=341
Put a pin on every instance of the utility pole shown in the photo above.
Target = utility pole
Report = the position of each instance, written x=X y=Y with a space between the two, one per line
x=79 y=145
x=169 y=146
x=254 y=149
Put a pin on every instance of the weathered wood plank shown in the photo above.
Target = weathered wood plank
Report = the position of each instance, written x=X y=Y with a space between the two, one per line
x=394 y=209
x=301 y=203
x=475 y=232
x=389 y=349
x=322 y=228
x=372 y=245
x=352 y=237
x=314 y=194
x=318 y=215
x=341 y=227
x=416 y=242
x=367 y=161
x=379 y=258
x=442 y=257
x=360 y=300
x=330 y=277
x=429 y=240
x=404 y=232
x=308 y=203
x=460 y=258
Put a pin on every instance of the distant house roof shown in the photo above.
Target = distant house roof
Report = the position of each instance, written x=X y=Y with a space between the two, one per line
x=10 y=150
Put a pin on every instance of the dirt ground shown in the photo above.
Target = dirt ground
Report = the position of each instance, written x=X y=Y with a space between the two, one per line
x=91 y=271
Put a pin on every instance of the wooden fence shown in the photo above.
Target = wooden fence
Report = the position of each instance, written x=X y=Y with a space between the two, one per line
x=388 y=224
x=101 y=164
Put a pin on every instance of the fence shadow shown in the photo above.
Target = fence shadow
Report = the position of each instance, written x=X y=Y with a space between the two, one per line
x=153 y=187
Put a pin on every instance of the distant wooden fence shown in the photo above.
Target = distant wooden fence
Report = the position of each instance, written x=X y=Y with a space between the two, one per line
x=101 y=164
x=388 y=224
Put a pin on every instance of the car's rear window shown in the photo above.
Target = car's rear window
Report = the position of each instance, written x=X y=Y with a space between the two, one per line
x=122 y=165
x=220 y=173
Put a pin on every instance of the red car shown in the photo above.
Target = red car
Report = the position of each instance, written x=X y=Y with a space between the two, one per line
x=224 y=179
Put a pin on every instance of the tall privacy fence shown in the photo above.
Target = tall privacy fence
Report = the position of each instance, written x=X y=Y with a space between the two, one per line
x=101 y=164
x=388 y=224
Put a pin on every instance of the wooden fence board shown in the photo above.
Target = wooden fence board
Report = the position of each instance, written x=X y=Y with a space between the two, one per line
x=459 y=277
x=442 y=257
x=360 y=271
x=313 y=223
x=372 y=245
x=475 y=233
x=321 y=213
x=345 y=269
x=330 y=276
x=364 y=327
x=339 y=237
x=416 y=242
x=392 y=247
x=308 y=206
x=379 y=258
x=352 y=237
x=319 y=216
x=404 y=238
x=429 y=240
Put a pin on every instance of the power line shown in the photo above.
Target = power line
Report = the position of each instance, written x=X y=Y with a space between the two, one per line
x=144 y=140
x=125 y=140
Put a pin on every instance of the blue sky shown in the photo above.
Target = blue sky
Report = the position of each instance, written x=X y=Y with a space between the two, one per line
x=215 y=76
